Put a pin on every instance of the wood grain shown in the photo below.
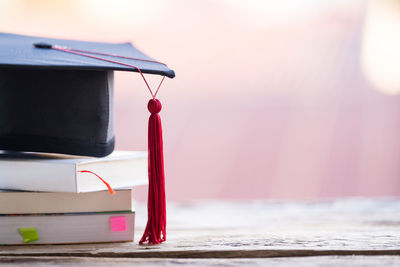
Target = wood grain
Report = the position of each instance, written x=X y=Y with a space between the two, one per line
x=326 y=261
x=254 y=230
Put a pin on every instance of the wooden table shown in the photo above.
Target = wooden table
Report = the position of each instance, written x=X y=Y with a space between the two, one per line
x=346 y=232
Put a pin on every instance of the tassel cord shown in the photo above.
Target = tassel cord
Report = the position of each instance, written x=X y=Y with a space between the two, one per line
x=155 y=231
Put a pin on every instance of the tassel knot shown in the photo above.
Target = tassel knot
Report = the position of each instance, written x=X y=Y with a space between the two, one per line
x=154 y=106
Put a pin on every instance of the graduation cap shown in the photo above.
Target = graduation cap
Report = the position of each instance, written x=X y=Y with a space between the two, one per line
x=56 y=96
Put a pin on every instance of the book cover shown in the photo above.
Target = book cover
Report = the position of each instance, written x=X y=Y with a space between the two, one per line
x=25 y=202
x=60 y=173
x=66 y=228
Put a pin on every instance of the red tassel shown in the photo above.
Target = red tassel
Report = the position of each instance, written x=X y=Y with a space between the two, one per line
x=156 y=224
x=155 y=231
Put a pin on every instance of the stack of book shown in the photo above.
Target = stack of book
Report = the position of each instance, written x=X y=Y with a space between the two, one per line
x=57 y=199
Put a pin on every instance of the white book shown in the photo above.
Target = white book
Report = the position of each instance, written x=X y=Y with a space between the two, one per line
x=60 y=173
x=67 y=228
x=25 y=202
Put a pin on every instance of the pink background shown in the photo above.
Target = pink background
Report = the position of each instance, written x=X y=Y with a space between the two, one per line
x=269 y=101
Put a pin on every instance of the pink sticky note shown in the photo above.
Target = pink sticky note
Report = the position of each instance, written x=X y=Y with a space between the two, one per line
x=118 y=223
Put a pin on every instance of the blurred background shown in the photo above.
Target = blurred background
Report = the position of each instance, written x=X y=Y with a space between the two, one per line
x=280 y=99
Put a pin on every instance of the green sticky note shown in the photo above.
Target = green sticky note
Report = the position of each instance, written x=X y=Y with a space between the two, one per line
x=29 y=234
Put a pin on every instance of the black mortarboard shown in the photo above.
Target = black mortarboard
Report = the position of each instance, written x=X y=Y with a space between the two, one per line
x=58 y=102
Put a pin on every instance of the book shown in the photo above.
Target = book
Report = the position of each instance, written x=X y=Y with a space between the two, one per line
x=25 y=202
x=60 y=173
x=66 y=228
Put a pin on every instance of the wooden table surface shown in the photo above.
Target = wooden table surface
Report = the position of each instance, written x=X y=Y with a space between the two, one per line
x=345 y=232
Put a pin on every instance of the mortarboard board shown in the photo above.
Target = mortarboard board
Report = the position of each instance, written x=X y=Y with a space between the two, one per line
x=57 y=96
x=60 y=102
